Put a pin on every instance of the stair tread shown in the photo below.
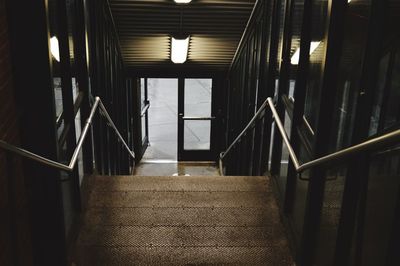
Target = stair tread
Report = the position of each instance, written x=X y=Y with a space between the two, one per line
x=180 y=199
x=188 y=236
x=110 y=256
x=180 y=220
x=178 y=183
x=182 y=216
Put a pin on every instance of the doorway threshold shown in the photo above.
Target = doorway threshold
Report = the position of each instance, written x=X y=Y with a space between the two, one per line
x=161 y=161
x=176 y=168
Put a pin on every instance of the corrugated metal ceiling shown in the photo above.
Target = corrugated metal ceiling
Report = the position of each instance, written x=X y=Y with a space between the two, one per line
x=145 y=27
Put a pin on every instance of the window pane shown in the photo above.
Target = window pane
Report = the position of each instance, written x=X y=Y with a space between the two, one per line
x=198 y=97
x=197 y=135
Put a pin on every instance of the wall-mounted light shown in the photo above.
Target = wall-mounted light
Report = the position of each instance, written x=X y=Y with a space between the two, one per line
x=296 y=56
x=179 y=49
x=183 y=1
x=54 y=48
x=348 y=1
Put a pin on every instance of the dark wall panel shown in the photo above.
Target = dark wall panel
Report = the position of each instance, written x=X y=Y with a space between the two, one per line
x=15 y=247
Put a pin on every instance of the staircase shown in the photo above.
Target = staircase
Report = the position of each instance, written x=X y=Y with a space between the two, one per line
x=181 y=220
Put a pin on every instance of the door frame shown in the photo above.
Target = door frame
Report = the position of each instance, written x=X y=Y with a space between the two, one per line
x=196 y=155
x=140 y=143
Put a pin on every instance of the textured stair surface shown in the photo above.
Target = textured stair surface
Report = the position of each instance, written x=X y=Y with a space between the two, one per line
x=182 y=220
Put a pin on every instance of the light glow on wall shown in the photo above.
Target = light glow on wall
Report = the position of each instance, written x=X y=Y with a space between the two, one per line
x=54 y=48
x=179 y=50
x=296 y=56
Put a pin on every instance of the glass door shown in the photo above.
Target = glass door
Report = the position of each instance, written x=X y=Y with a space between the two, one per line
x=195 y=119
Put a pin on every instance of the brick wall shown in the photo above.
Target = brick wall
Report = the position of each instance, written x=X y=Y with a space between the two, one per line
x=15 y=244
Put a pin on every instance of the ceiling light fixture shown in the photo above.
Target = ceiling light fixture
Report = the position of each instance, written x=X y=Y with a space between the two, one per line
x=179 y=49
x=183 y=1
x=54 y=48
x=296 y=56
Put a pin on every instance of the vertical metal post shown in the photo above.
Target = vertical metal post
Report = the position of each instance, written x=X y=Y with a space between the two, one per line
x=270 y=76
x=32 y=69
x=83 y=77
x=315 y=195
x=284 y=80
x=181 y=112
x=67 y=96
x=299 y=95
x=357 y=173
x=11 y=190
x=259 y=126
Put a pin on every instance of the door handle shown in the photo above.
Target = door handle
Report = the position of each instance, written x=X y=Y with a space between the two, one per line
x=198 y=118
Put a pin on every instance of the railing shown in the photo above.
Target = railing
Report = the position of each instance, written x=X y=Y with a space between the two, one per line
x=374 y=143
x=30 y=155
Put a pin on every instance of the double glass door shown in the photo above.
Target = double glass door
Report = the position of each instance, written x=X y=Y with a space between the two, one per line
x=177 y=119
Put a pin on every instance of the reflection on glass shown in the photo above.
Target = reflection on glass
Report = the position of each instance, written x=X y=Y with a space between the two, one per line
x=58 y=96
x=317 y=56
x=78 y=131
x=143 y=128
x=295 y=58
x=142 y=92
x=197 y=135
x=380 y=209
x=284 y=158
x=55 y=59
x=198 y=97
x=75 y=89
x=392 y=112
x=281 y=32
x=349 y=73
x=71 y=5
x=55 y=48
x=295 y=44
x=378 y=99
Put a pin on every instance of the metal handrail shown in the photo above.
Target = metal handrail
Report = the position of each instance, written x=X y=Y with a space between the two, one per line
x=258 y=113
x=198 y=118
x=253 y=12
x=30 y=155
x=339 y=155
